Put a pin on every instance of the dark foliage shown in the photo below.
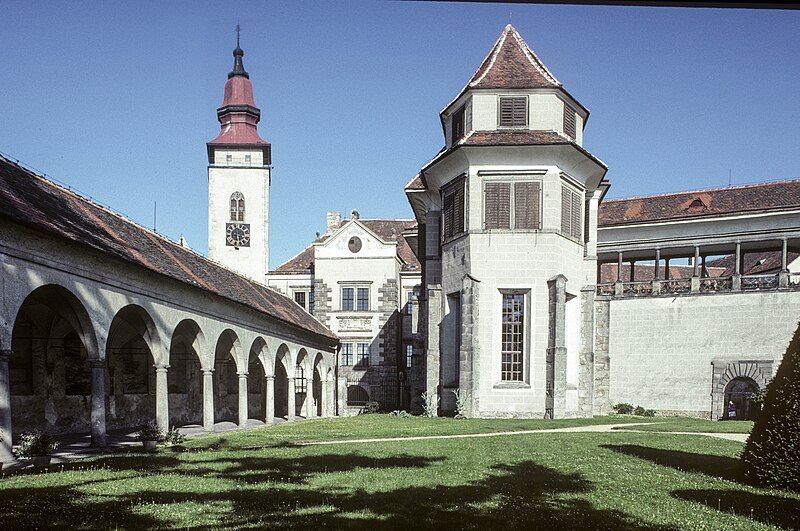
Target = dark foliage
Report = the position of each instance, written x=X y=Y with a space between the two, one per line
x=770 y=457
x=623 y=409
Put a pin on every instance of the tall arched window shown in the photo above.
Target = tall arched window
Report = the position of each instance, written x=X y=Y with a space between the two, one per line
x=237 y=206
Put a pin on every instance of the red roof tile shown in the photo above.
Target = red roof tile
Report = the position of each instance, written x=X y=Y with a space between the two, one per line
x=33 y=201
x=646 y=272
x=386 y=229
x=759 y=263
x=779 y=195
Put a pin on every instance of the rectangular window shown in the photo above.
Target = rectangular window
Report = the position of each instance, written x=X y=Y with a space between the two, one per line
x=513 y=111
x=228 y=158
x=458 y=129
x=569 y=121
x=362 y=354
x=247 y=158
x=408 y=308
x=300 y=297
x=347 y=354
x=453 y=209
x=501 y=200
x=362 y=299
x=571 y=213
x=348 y=299
x=409 y=355
x=513 y=343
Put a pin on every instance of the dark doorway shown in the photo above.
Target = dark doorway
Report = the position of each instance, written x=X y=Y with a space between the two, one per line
x=738 y=399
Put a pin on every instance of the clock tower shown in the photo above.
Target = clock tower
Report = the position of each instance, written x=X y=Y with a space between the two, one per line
x=238 y=180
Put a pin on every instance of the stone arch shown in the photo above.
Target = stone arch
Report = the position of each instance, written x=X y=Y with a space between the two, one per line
x=318 y=387
x=132 y=347
x=302 y=377
x=282 y=372
x=357 y=395
x=737 y=398
x=257 y=369
x=54 y=347
x=185 y=375
x=760 y=371
x=227 y=356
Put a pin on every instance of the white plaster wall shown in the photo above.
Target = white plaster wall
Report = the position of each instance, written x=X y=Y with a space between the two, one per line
x=484 y=111
x=661 y=348
x=253 y=182
x=546 y=112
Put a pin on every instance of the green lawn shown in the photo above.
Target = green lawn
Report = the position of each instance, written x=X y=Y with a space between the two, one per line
x=566 y=480
x=681 y=424
x=382 y=426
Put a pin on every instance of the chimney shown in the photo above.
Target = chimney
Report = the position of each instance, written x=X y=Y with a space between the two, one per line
x=334 y=219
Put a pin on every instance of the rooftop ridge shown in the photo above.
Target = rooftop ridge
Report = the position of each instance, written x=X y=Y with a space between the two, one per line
x=698 y=191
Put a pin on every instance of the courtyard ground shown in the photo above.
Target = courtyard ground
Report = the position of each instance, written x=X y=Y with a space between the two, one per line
x=245 y=479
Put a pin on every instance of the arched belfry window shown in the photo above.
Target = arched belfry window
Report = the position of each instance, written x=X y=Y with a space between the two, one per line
x=237 y=206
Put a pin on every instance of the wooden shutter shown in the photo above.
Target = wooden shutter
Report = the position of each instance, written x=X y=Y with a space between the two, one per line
x=576 y=216
x=447 y=216
x=458 y=126
x=496 y=206
x=458 y=207
x=527 y=214
x=566 y=207
x=453 y=209
x=513 y=111
x=569 y=121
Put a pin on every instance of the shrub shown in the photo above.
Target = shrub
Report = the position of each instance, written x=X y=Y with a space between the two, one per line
x=151 y=432
x=461 y=403
x=430 y=403
x=623 y=409
x=37 y=443
x=642 y=412
x=401 y=413
x=174 y=437
x=770 y=455
x=370 y=407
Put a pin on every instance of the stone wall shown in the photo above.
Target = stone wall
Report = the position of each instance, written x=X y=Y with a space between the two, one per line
x=665 y=353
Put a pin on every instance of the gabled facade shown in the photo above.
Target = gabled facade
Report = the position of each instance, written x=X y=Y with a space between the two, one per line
x=508 y=214
x=361 y=278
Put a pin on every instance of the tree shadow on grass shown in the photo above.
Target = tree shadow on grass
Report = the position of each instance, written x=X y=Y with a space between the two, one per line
x=766 y=508
x=261 y=491
x=711 y=465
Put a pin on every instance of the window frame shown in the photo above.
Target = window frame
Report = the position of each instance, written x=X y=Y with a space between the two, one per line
x=346 y=358
x=237 y=207
x=576 y=197
x=500 y=100
x=512 y=204
x=525 y=354
x=409 y=355
x=351 y=299
x=362 y=354
x=462 y=111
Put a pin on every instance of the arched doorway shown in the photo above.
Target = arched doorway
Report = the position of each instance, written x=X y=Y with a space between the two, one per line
x=357 y=395
x=130 y=371
x=256 y=384
x=282 y=382
x=185 y=375
x=738 y=399
x=226 y=379
x=52 y=345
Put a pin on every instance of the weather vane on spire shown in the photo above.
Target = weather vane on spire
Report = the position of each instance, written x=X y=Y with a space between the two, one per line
x=238 y=30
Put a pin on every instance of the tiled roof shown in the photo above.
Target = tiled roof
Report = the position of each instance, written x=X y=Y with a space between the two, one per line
x=759 y=263
x=512 y=64
x=646 y=272
x=386 y=229
x=33 y=201
x=777 y=195
x=415 y=183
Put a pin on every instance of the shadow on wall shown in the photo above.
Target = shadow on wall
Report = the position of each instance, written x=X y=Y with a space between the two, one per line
x=509 y=496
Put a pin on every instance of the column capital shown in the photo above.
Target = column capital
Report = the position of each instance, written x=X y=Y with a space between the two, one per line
x=207 y=371
x=242 y=375
x=163 y=367
x=269 y=376
x=5 y=354
x=97 y=363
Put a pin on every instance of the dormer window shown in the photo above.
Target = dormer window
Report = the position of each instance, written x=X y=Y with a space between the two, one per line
x=569 y=121
x=513 y=111
x=458 y=125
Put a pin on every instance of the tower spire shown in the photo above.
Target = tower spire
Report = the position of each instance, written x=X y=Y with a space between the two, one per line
x=238 y=65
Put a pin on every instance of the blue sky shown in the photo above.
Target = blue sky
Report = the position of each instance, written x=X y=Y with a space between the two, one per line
x=118 y=100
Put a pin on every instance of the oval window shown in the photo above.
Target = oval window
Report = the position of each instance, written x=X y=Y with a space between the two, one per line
x=354 y=244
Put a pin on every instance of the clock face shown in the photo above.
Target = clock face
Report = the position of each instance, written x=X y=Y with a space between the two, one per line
x=237 y=234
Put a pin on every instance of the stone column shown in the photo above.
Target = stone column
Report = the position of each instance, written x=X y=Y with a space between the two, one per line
x=243 y=400
x=208 y=399
x=309 y=404
x=695 y=286
x=586 y=354
x=556 y=402
x=325 y=398
x=432 y=354
x=341 y=383
x=5 y=408
x=162 y=398
x=269 y=399
x=618 y=291
x=736 y=281
x=98 y=401
x=657 y=273
x=292 y=404
x=783 y=275
x=331 y=400
x=666 y=268
x=633 y=270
